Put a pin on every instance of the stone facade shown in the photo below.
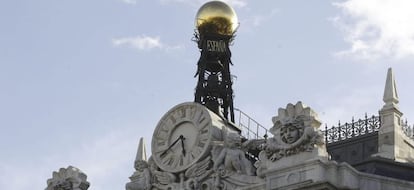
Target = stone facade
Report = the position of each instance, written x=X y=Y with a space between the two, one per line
x=197 y=149
x=322 y=174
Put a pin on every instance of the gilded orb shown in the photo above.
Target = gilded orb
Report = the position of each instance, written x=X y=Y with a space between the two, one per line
x=216 y=17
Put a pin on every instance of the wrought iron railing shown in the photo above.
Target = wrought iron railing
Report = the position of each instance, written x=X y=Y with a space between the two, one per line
x=251 y=129
x=354 y=129
x=408 y=130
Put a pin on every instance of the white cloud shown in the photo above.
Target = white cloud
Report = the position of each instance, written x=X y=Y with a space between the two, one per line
x=377 y=28
x=133 y=2
x=236 y=3
x=258 y=20
x=143 y=42
x=197 y=3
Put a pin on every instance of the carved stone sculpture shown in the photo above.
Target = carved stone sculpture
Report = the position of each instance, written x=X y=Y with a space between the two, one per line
x=197 y=173
x=294 y=130
x=232 y=158
x=141 y=179
x=70 y=178
x=232 y=169
x=190 y=179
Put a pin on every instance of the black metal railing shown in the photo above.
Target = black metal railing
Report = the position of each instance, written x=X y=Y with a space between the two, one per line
x=408 y=130
x=251 y=129
x=353 y=129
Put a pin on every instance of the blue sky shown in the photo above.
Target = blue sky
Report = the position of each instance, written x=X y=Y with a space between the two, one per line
x=82 y=81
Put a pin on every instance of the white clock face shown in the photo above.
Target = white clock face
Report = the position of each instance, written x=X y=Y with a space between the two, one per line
x=181 y=137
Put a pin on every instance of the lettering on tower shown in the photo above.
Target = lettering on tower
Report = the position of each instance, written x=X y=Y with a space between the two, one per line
x=216 y=46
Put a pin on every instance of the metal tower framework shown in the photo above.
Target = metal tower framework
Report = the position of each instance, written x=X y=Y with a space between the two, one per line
x=214 y=87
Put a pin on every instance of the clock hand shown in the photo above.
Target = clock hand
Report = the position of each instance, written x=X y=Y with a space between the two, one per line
x=182 y=144
x=175 y=142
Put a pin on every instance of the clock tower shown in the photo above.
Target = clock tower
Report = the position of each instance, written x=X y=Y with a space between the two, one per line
x=196 y=145
x=216 y=24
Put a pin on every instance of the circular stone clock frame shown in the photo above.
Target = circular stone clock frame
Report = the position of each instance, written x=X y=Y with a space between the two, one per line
x=182 y=137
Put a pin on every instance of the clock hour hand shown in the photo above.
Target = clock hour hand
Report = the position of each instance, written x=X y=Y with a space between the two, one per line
x=182 y=144
x=175 y=142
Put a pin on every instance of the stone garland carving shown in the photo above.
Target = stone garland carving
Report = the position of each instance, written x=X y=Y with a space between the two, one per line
x=295 y=130
x=70 y=178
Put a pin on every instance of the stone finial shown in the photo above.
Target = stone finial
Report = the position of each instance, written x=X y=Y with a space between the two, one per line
x=390 y=92
x=392 y=142
x=141 y=179
x=70 y=178
x=142 y=152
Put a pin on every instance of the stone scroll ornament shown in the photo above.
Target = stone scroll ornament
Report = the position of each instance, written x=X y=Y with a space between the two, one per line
x=70 y=178
x=295 y=130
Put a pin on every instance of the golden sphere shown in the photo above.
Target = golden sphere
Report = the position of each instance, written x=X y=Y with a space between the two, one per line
x=216 y=17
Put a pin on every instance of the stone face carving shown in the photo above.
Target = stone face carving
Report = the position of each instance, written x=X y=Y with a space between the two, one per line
x=70 y=178
x=295 y=130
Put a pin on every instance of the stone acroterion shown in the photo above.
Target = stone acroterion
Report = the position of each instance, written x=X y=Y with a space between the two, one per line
x=142 y=152
x=390 y=92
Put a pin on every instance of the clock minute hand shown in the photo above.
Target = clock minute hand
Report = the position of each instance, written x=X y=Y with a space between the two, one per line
x=175 y=142
x=182 y=144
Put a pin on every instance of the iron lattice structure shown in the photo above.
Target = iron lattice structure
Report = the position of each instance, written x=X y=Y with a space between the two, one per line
x=214 y=86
